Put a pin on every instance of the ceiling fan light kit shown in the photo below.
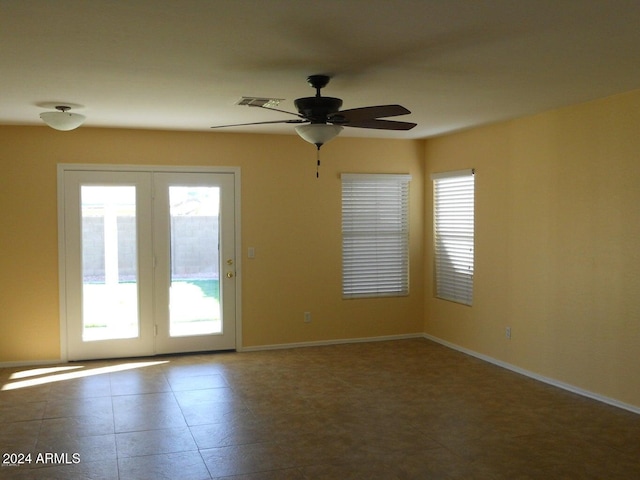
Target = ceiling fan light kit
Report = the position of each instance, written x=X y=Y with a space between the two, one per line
x=62 y=119
x=318 y=133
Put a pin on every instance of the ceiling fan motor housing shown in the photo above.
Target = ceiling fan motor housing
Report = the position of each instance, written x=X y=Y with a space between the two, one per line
x=318 y=109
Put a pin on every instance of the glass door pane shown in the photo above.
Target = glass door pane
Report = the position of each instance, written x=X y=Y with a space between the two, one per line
x=195 y=271
x=194 y=293
x=109 y=263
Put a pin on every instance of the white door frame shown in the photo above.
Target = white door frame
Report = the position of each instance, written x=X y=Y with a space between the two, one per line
x=64 y=167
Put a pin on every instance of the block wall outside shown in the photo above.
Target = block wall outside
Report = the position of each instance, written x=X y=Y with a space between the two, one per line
x=194 y=244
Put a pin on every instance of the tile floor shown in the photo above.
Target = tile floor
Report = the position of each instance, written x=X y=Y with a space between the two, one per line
x=408 y=409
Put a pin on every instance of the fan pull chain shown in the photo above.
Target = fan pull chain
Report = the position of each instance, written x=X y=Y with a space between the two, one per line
x=318 y=162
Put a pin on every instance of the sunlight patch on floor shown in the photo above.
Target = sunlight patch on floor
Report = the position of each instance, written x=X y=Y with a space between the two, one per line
x=59 y=377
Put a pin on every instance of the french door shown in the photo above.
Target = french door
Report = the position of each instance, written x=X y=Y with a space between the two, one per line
x=149 y=262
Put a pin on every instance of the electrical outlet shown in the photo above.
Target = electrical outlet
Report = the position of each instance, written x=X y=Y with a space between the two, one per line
x=507 y=333
x=307 y=317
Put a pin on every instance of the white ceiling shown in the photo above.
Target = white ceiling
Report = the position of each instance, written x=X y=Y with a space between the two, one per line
x=182 y=65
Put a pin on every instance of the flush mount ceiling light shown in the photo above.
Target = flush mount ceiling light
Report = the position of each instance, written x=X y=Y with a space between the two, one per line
x=62 y=119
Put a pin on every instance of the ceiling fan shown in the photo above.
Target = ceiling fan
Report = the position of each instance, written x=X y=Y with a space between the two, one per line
x=322 y=120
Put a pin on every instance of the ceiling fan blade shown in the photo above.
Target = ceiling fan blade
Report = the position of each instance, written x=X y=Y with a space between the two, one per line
x=300 y=120
x=368 y=113
x=381 y=124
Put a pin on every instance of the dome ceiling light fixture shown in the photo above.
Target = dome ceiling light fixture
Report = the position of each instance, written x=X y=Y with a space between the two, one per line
x=62 y=119
x=318 y=134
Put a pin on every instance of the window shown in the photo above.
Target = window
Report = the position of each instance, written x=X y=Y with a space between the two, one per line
x=375 y=235
x=453 y=214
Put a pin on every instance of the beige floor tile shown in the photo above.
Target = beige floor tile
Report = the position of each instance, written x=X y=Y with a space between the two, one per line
x=153 y=442
x=189 y=398
x=286 y=474
x=100 y=470
x=19 y=437
x=76 y=426
x=409 y=409
x=248 y=458
x=171 y=466
x=94 y=448
x=87 y=387
x=58 y=406
x=230 y=433
x=21 y=411
x=138 y=382
x=153 y=411
x=196 y=382
x=218 y=412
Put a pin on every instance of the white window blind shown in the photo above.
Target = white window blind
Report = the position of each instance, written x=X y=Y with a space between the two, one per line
x=454 y=235
x=375 y=235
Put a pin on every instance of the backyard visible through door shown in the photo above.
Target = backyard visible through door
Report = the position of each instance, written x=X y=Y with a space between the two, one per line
x=110 y=296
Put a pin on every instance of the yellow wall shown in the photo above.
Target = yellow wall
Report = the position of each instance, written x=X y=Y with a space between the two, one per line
x=557 y=237
x=290 y=217
x=557 y=245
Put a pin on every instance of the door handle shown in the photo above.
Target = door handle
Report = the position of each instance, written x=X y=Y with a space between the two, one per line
x=229 y=274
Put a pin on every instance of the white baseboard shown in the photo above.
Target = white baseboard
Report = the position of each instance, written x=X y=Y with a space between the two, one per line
x=30 y=363
x=321 y=343
x=453 y=346
x=535 y=376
